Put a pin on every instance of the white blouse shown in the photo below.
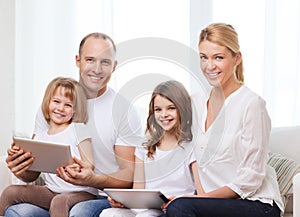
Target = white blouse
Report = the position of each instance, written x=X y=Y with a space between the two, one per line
x=233 y=151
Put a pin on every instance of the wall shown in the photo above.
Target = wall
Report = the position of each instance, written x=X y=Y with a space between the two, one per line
x=7 y=55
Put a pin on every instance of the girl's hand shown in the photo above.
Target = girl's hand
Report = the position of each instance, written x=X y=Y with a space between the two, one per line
x=73 y=167
x=13 y=149
x=84 y=177
x=164 y=206
x=115 y=204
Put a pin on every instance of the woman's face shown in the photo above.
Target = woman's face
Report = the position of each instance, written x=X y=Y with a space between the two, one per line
x=217 y=64
x=165 y=113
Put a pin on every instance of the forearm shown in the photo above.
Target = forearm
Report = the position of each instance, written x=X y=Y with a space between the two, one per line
x=28 y=176
x=121 y=179
x=224 y=192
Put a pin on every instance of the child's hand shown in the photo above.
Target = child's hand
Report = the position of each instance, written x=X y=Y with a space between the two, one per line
x=74 y=167
x=13 y=149
x=115 y=204
x=164 y=206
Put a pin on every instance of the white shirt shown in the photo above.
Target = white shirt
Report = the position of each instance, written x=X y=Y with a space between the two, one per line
x=233 y=151
x=72 y=135
x=169 y=171
x=112 y=121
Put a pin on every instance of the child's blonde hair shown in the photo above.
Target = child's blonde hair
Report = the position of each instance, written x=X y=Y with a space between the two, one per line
x=72 y=90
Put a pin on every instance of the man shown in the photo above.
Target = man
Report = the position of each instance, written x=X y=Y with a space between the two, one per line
x=114 y=133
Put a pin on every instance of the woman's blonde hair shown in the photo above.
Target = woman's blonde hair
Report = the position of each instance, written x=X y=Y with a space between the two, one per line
x=177 y=94
x=72 y=90
x=224 y=35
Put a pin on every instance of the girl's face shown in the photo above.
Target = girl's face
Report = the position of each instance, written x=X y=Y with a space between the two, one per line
x=60 y=108
x=218 y=64
x=165 y=113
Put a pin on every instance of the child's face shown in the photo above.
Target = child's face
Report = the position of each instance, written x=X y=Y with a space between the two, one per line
x=60 y=108
x=165 y=113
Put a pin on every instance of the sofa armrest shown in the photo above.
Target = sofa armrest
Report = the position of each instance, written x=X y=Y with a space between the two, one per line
x=5 y=174
x=296 y=195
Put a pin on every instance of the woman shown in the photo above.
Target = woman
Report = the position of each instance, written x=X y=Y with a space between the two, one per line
x=231 y=137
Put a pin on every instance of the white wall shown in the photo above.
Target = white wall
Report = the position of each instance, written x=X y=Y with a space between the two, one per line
x=7 y=55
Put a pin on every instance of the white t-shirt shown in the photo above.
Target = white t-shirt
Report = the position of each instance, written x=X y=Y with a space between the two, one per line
x=233 y=151
x=169 y=171
x=112 y=121
x=72 y=135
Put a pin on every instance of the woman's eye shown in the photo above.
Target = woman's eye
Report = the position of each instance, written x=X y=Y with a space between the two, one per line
x=202 y=57
x=219 y=58
x=157 y=110
x=172 y=108
x=69 y=105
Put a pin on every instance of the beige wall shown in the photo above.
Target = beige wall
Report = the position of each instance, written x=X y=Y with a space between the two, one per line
x=7 y=54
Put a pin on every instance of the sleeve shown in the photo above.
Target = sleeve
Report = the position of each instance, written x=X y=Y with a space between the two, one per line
x=251 y=172
x=129 y=128
x=41 y=124
x=81 y=132
x=140 y=152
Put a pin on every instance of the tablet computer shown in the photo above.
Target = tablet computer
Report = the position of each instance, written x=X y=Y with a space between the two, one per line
x=48 y=155
x=137 y=198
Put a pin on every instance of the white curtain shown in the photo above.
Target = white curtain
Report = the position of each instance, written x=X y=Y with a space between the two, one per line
x=48 y=33
x=282 y=61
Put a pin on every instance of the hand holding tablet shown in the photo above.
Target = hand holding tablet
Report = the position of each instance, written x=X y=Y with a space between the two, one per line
x=48 y=155
x=137 y=198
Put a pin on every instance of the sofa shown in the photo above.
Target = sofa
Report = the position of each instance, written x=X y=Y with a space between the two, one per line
x=284 y=157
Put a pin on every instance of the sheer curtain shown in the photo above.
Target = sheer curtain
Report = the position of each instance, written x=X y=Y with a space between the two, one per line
x=48 y=34
x=282 y=65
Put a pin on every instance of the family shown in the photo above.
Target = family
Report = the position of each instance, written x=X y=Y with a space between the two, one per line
x=207 y=153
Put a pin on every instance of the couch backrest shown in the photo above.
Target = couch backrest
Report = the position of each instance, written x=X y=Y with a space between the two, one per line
x=286 y=141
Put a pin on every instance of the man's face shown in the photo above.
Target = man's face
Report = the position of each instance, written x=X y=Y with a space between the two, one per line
x=96 y=64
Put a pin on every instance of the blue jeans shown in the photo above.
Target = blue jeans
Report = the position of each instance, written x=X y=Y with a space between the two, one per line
x=90 y=208
x=26 y=209
x=217 y=207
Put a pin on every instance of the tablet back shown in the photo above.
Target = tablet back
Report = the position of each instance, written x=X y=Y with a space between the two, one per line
x=136 y=198
x=48 y=155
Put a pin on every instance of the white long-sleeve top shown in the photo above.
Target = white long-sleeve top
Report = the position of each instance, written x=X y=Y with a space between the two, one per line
x=233 y=151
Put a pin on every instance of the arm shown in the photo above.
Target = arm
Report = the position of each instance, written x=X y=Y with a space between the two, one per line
x=86 y=177
x=139 y=174
x=86 y=152
x=224 y=192
x=139 y=181
x=196 y=176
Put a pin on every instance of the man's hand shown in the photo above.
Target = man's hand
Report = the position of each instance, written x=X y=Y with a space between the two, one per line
x=82 y=175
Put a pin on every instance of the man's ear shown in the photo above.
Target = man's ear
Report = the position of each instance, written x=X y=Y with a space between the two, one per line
x=77 y=60
x=115 y=65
